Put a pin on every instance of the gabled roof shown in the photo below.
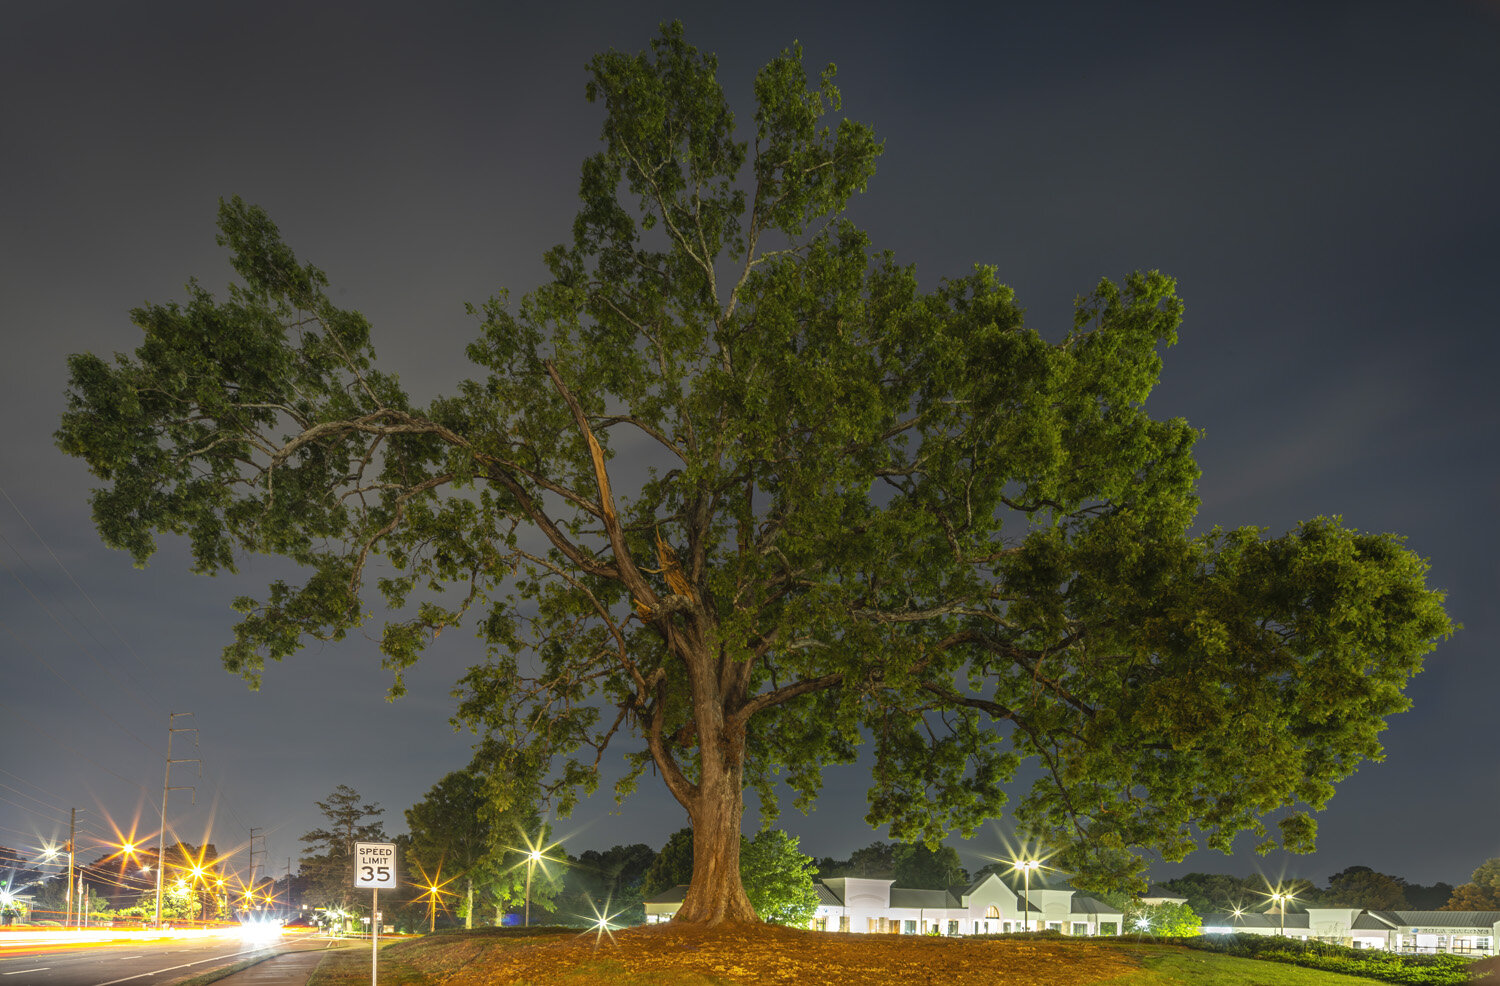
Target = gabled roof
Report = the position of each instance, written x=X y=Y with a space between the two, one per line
x=1375 y=921
x=903 y=897
x=826 y=897
x=1088 y=905
x=1448 y=919
x=1039 y=881
x=1154 y=892
x=1256 y=919
x=674 y=896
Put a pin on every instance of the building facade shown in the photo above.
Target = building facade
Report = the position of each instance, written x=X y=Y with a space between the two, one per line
x=1461 y=932
x=989 y=905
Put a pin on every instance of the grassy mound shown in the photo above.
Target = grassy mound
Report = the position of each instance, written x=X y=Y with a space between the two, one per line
x=669 y=955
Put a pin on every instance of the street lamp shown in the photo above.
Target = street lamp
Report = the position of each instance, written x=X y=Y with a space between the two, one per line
x=1026 y=866
x=535 y=853
x=1280 y=900
x=532 y=858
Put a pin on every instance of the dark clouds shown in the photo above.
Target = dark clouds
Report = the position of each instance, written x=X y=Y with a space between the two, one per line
x=1319 y=178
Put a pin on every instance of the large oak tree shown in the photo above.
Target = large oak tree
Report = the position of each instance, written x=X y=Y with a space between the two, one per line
x=733 y=485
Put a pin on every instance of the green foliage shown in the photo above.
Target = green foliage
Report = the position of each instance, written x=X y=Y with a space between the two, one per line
x=909 y=864
x=1360 y=886
x=328 y=867
x=1389 y=967
x=608 y=882
x=857 y=510
x=1210 y=892
x=875 y=861
x=1165 y=920
x=1429 y=897
x=456 y=841
x=1481 y=893
x=918 y=867
x=673 y=866
x=778 y=878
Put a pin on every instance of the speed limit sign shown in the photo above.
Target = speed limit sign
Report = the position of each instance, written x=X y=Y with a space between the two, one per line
x=375 y=865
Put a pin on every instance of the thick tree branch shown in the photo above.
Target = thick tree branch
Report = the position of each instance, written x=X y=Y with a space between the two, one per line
x=626 y=570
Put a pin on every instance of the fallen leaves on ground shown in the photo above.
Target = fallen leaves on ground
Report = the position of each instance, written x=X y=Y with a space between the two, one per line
x=765 y=954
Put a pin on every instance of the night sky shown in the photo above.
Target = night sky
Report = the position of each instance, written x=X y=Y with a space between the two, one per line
x=1323 y=179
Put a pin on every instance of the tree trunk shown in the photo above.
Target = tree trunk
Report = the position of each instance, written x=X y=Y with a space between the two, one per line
x=716 y=895
x=469 y=907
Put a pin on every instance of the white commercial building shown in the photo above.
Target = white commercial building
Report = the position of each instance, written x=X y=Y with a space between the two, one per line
x=989 y=905
x=1462 y=932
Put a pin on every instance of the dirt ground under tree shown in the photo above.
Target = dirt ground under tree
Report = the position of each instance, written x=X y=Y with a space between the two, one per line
x=759 y=954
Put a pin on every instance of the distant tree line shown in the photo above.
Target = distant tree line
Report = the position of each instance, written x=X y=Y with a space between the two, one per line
x=1354 y=886
x=471 y=846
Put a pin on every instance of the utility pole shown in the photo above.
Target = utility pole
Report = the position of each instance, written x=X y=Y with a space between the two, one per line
x=166 y=786
x=72 y=830
x=262 y=852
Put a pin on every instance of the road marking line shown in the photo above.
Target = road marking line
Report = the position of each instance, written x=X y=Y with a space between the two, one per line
x=20 y=972
x=185 y=965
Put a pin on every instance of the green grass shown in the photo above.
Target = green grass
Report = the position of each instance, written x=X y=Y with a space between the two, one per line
x=1171 y=966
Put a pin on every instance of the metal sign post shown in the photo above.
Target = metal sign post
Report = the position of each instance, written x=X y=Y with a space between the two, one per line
x=375 y=867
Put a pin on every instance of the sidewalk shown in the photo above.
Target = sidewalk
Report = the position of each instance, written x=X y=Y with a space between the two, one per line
x=286 y=969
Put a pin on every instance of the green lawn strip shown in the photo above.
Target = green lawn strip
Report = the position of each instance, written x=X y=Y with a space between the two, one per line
x=1167 y=965
x=1390 y=967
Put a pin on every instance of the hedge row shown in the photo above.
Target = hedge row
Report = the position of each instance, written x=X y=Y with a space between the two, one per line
x=1390 y=967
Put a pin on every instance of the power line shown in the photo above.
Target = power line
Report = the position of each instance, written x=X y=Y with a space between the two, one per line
x=220 y=795
x=61 y=745
x=57 y=674
x=81 y=591
x=23 y=780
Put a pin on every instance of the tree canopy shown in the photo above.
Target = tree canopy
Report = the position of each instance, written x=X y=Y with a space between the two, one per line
x=1165 y=920
x=1361 y=886
x=932 y=869
x=672 y=867
x=609 y=883
x=329 y=865
x=778 y=878
x=732 y=486
x=458 y=838
x=1481 y=893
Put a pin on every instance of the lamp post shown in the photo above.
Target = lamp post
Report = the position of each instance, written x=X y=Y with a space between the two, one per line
x=1026 y=867
x=532 y=858
x=1280 y=899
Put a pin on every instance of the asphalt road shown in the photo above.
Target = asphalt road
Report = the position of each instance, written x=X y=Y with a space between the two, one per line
x=148 y=963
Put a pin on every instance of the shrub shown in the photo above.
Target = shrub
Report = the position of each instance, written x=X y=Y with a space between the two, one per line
x=1390 y=967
